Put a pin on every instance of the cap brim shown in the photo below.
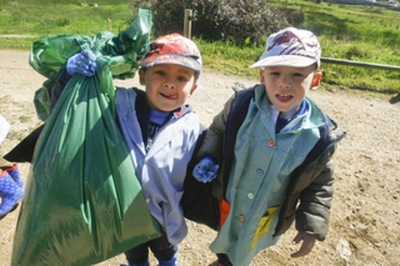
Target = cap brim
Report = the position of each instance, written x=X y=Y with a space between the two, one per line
x=284 y=60
x=171 y=59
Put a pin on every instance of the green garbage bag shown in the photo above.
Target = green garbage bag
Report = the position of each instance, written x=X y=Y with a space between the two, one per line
x=49 y=55
x=83 y=203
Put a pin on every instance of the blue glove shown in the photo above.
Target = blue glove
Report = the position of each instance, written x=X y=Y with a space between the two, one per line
x=11 y=190
x=83 y=63
x=206 y=170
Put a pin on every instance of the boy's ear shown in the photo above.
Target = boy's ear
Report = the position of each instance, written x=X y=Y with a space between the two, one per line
x=316 y=80
x=262 y=76
x=193 y=89
x=141 y=77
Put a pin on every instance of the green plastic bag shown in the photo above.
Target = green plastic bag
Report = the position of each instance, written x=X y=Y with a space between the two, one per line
x=124 y=51
x=83 y=203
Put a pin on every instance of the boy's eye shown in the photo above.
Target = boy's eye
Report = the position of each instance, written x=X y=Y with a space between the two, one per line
x=298 y=74
x=182 y=78
x=275 y=73
x=160 y=72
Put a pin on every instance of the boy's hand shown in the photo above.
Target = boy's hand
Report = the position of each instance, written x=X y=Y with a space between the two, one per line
x=11 y=190
x=306 y=247
x=83 y=63
x=206 y=170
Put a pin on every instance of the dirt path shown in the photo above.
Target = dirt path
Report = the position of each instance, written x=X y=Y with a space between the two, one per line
x=365 y=220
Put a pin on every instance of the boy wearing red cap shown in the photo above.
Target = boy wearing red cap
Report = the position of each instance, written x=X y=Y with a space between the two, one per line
x=274 y=146
x=160 y=131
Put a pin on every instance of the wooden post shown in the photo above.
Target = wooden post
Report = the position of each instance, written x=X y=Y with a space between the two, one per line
x=187 y=24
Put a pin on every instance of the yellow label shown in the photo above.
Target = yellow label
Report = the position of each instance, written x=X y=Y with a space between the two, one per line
x=263 y=225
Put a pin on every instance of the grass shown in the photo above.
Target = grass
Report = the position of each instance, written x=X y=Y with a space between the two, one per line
x=359 y=33
x=33 y=19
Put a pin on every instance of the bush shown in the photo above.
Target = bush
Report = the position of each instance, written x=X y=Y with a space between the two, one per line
x=240 y=21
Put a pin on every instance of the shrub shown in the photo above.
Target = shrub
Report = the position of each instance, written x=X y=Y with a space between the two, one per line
x=240 y=21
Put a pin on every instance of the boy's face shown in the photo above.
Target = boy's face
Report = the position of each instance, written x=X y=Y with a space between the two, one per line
x=287 y=86
x=167 y=86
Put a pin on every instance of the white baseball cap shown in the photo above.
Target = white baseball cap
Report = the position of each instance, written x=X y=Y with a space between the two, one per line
x=290 y=47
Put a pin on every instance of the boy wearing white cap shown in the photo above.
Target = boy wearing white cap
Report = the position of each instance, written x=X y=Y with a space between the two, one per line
x=161 y=132
x=274 y=146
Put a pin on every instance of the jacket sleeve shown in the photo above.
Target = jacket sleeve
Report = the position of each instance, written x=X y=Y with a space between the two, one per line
x=213 y=141
x=312 y=215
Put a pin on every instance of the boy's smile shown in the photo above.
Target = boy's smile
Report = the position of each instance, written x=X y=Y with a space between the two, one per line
x=284 y=97
x=172 y=97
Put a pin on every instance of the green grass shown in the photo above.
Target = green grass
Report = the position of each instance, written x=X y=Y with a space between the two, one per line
x=359 y=33
x=51 y=18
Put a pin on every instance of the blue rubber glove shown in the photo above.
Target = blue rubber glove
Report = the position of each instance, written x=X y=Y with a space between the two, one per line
x=11 y=190
x=83 y=63
x=206 y=170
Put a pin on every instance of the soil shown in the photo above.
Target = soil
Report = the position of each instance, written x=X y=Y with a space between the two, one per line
x=365 y=219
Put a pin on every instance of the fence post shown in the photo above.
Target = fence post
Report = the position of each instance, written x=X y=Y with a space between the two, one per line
x=187 y=24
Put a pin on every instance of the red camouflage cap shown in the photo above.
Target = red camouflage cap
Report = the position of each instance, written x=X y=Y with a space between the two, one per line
x=173 y=49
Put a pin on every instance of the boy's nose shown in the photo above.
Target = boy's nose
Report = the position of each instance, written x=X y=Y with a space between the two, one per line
x=169 y=85
x=284 y=82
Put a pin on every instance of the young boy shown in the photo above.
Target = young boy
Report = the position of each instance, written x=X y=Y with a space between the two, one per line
x=160 y=131
x=274 y=146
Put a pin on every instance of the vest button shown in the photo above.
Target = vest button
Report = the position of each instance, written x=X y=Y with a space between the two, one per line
x=259 y=171
x=271 y=143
